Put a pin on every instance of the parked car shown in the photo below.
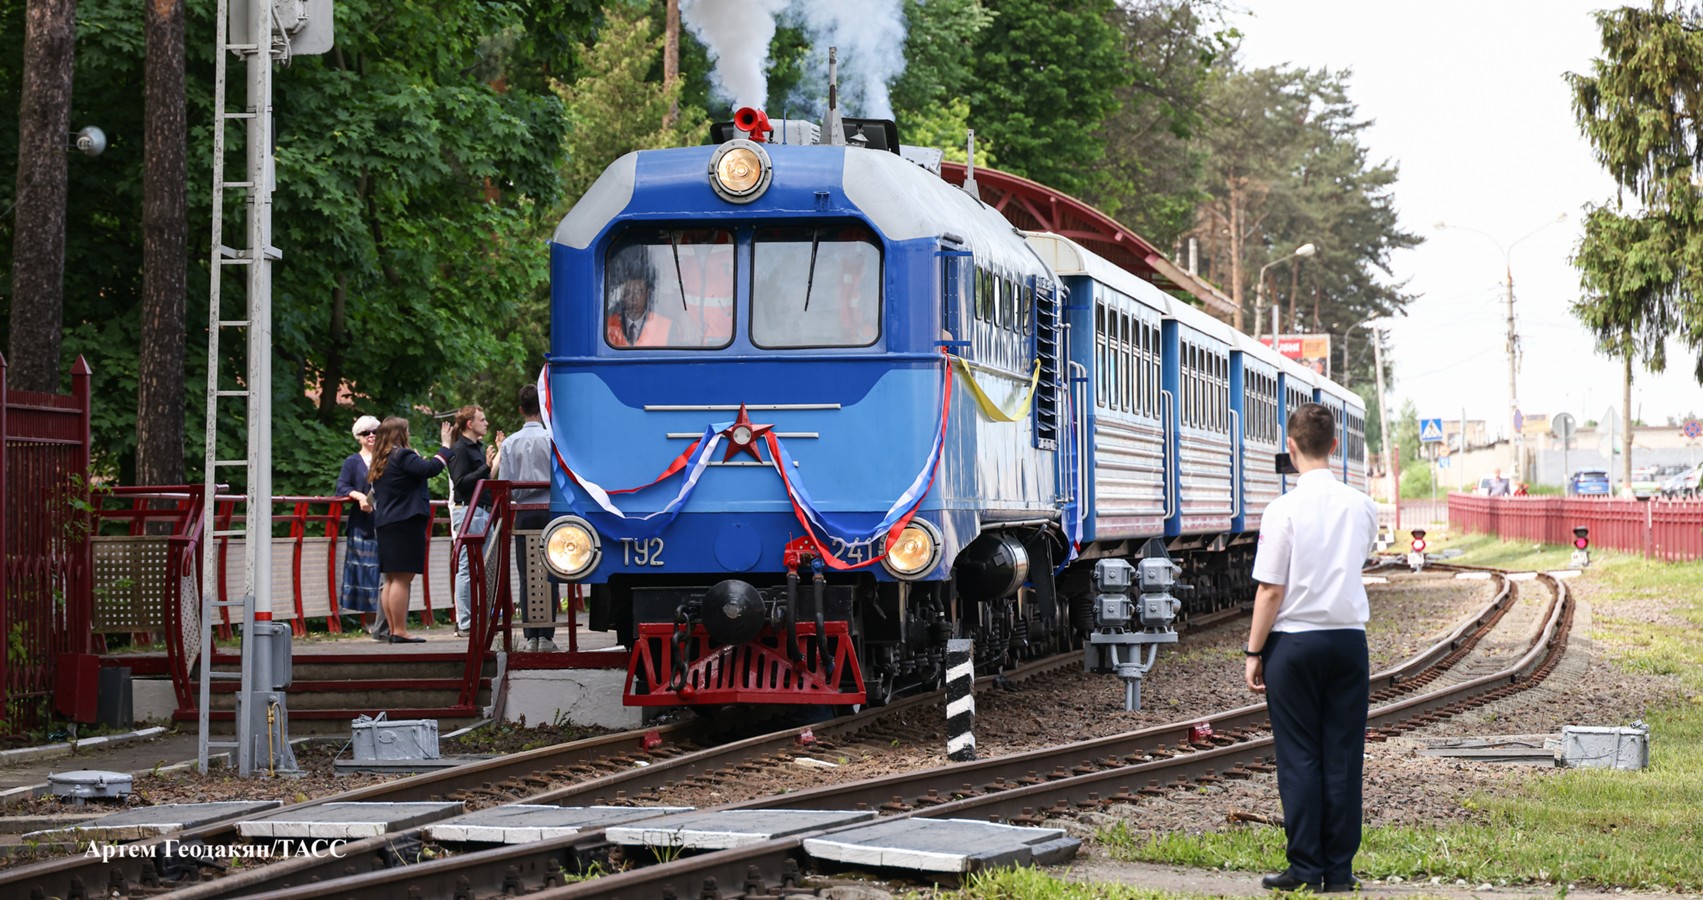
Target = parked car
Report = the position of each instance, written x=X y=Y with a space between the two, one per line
x=1589 y=482
x=1645 y=483
x=1683 y=485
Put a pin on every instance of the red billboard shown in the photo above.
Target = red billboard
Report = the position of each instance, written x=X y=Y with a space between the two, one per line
x=1310 y=350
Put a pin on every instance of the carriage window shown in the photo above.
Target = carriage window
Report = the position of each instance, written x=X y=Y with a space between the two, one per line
x=1122 y=337
x=1026 y=311
x=669 y=288
x=815 y=286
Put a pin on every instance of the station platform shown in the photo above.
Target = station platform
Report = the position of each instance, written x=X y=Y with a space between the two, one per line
x=337 y=678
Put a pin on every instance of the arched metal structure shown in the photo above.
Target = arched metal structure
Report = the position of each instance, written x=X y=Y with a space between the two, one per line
x=1033 y=206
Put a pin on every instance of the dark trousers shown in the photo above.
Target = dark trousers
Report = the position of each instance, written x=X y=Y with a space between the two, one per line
x=1316 y=690
x=531 y=520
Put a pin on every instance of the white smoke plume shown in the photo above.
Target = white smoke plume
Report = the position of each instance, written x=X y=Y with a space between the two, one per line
x=870 y=36
x=871 y=39
x=737 y=34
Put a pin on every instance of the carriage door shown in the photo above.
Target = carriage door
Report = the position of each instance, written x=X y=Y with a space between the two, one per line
x=957 y=272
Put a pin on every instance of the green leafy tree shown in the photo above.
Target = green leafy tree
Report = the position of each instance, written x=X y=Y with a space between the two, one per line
x=1046 y=77
x=1151 y=175
x=929 y=96
x=616 y=106
x=1641 y=258
x=1285 y=166
x=416 y=165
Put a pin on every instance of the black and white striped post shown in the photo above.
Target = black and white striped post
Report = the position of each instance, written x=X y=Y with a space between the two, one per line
x=960 y=700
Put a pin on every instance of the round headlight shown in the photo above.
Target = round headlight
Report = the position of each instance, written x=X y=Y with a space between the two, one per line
x=571 y=547
x=740 y=171
x=915 y=551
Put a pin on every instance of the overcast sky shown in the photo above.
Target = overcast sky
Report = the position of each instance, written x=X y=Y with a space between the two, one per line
x=1468 y=99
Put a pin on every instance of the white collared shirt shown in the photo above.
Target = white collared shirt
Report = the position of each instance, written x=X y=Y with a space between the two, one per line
x=1313 y=541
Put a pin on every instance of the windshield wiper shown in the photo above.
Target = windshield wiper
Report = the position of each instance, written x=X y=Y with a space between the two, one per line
x=810 y=280
x=679 y=280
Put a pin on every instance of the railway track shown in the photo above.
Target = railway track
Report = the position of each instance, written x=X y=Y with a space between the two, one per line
x=1021 y=788
x=612 y=766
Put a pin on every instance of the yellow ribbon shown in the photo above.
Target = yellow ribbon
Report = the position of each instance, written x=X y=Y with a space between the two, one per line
x=991 y=409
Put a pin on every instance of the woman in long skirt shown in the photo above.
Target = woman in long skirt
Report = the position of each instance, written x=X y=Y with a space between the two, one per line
x=361 y=583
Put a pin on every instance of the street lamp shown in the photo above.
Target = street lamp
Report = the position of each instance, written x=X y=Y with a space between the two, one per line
x=1303 y=251
x=1516 y=442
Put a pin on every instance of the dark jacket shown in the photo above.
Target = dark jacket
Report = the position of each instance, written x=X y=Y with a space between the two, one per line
x=400 y=493
x=353 y=477
x=467 y=467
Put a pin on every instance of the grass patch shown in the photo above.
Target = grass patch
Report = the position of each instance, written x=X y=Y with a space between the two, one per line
x=1579 y=826
x=1036 y=884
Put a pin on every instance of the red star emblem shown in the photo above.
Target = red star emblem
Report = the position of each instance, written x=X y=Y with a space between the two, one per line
x=743 y=436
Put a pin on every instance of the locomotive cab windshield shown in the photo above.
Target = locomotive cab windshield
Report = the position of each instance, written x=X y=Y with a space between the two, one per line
x=815 y=286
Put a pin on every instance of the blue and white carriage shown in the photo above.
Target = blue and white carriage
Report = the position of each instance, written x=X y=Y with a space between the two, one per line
x=818 y=411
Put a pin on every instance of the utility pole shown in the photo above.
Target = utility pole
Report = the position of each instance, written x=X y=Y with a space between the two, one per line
x=1384 y=426
x=1515 y=440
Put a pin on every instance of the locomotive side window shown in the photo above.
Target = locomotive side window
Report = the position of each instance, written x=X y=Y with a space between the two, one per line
x=669 y=288
x=1100 y=354
x=815 y=286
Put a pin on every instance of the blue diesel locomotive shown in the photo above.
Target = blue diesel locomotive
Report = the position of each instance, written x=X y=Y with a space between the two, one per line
x=817 y=411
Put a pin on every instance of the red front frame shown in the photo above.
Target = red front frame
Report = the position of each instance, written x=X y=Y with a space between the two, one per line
x=753 y=672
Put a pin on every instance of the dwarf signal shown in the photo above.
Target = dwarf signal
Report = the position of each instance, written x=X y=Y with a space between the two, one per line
x=1416 y=550
x=1581 y=547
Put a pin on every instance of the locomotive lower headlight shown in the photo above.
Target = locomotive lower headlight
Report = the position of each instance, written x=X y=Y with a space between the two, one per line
x=571 y=547
x=740 y=171
x=915 y=551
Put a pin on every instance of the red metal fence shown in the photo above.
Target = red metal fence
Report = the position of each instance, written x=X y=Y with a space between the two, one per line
x=44 y=526
x=1660 y=529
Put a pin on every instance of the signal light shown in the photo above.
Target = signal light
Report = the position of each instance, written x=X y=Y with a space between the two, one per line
x=1581 y=538
x=1419 y=540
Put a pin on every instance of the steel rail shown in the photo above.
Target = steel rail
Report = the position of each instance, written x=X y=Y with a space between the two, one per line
x=79 y=874
x=1015 y=779
x=771 y=861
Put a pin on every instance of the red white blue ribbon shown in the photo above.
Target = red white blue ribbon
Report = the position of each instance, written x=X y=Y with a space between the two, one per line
x=692 y=461
x=818 y=527
x=898 y=515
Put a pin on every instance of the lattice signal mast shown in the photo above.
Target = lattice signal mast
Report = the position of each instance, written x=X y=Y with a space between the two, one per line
x=259 y=32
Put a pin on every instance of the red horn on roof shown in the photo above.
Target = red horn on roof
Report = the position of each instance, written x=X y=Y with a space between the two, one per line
x=754 y=122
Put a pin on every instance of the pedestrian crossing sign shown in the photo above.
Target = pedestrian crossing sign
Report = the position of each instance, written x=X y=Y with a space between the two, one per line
x=1430 y=430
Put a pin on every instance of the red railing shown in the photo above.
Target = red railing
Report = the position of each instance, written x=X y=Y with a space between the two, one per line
x=1658 y=528
x=45 y=561
x=490 y=568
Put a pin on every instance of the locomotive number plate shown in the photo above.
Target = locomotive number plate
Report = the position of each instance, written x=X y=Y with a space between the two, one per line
x=853 y=551
x=641 y=551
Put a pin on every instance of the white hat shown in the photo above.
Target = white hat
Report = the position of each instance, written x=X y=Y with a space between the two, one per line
x=364 y=423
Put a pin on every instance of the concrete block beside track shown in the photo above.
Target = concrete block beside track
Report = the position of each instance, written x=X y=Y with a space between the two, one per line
x=350 y=821
x=523 y=823
x=580 y=696
x=150 y=821
x=730 y=828
x=943 y=845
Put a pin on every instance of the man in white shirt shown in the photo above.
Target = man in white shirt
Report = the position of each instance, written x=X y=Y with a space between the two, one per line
x=1307 y=652
x=527 y=455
